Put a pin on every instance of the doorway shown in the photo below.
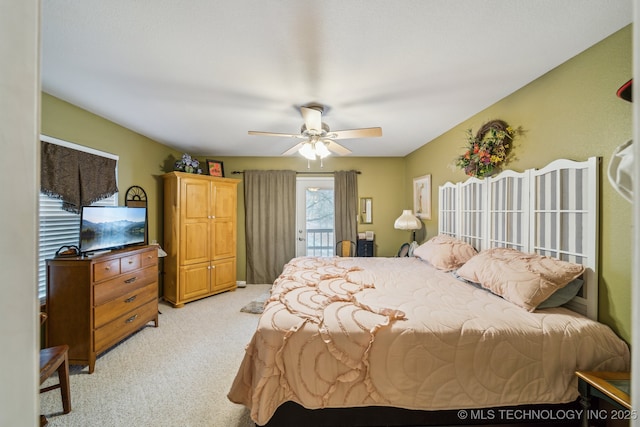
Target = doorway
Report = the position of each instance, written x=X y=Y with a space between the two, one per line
x=315 y=212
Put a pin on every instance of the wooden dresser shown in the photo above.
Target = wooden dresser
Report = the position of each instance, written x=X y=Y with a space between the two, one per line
x=95 y=302
x=200 y=228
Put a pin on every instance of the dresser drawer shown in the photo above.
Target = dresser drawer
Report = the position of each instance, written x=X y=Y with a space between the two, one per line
x=111 y=289
x=125 y=325
x=130 y=263
x=149 y=258
x=130 y=301
x=105 y=269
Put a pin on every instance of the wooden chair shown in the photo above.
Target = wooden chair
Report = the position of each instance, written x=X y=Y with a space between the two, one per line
x=346 y=248
x=54 y=359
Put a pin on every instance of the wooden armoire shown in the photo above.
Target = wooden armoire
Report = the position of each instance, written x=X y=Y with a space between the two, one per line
x=200 y=232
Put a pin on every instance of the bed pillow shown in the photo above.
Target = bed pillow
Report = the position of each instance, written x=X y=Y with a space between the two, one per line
x=521 y=278
x=445 y=252
x=468 y=282
x=562 y=295
x=557 y=299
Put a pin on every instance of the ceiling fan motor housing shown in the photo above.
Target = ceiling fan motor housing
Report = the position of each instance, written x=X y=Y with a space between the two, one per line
x=315 y=132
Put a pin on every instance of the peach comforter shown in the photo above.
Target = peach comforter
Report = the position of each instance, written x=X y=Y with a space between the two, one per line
x=348 y=332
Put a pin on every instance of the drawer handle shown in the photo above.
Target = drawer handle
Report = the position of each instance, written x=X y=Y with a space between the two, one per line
x=131 y=319
x=132 y=299
x=130 y=261
x=107 y=268
x=133 y=279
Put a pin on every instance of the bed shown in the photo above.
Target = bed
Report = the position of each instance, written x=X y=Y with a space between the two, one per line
x=457 y=334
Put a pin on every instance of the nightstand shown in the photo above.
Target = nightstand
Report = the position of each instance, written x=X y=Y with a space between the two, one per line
x=365 y=248
x=612 y=387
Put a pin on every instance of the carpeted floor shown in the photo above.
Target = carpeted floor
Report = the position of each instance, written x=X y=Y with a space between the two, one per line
x=178 y=374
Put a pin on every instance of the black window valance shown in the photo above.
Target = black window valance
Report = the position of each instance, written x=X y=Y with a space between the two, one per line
x=75 y=177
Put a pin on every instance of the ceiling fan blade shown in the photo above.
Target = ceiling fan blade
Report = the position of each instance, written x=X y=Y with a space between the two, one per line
x=337 y=148
x=293 y=149
x=356 y=133
x=312 y=118
x=282 y=135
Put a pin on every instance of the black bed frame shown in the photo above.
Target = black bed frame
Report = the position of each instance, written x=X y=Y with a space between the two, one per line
x=291 y=414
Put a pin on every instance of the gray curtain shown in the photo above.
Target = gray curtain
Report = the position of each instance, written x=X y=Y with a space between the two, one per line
x=346 y=202
x=270 y=222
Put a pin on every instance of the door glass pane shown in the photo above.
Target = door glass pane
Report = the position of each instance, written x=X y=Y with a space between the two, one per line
x=319 y=221
x=314 y=216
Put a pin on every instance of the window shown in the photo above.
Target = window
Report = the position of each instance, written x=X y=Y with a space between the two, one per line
x=57 y=226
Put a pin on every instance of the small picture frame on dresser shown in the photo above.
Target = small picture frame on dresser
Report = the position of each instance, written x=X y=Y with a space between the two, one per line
x=215 y=168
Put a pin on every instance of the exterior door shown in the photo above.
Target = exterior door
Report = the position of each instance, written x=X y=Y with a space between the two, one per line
x=315 y=212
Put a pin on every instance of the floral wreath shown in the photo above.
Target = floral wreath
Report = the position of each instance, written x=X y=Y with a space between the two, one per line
x=487 y=150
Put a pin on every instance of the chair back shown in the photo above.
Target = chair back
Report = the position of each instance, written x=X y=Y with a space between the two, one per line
x=346 y=248
x=404 y=250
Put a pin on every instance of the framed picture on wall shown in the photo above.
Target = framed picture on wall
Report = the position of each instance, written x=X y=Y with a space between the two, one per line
x=215 y=168
x=422 y=196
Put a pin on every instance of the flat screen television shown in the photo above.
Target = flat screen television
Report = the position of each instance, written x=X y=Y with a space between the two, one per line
x=111 y=227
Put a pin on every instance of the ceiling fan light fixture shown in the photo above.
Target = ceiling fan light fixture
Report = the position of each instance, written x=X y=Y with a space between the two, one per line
x=307 y=151
x=317 y=138
x=321 y=149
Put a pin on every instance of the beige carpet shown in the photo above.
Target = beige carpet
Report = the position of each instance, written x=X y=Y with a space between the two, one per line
x=178 y=374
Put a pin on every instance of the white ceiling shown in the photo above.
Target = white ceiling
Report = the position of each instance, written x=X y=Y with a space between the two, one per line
x=197 y=75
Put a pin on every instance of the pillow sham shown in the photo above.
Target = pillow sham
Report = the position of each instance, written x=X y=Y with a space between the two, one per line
x=524 y=279
x=445 y=252
x=562 y=295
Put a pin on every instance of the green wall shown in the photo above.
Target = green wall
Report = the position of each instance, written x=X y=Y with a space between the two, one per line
x=380 y=179
x=571 y=112
x=142 y=160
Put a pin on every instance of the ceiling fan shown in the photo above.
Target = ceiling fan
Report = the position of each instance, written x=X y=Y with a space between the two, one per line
x=319 y=140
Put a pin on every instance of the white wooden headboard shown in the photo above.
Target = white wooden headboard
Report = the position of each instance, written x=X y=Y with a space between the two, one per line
x=551 y=211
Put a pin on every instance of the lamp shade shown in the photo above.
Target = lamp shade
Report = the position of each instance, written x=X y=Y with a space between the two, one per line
x=321 y=150
x=307 y=151
x=312 y=148
x=407 y=221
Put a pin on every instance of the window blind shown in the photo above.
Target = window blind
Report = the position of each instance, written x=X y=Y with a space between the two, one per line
x=58 y=227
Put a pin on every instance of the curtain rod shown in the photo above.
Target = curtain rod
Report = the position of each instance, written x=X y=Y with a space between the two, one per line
x=300 y=173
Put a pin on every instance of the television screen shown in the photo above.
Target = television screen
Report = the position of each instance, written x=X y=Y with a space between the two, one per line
x=111 y=227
